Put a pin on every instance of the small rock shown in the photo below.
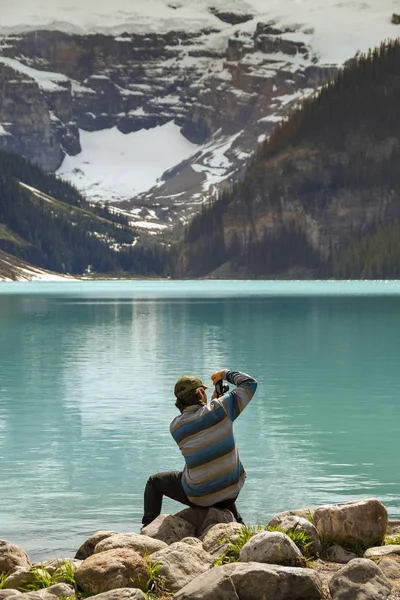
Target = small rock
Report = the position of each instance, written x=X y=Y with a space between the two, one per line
x=381 y=551
x=143 y=544
x=121 y=594
x=112 y=569
x=271 y=547
x=62 y=589
x=181 y=563
x=304 y=513
x=56 y=563
x=361 y=579
x=11 y=557
x=87 y=548
x=169 y=529
x=191 y=541
x=338 y=554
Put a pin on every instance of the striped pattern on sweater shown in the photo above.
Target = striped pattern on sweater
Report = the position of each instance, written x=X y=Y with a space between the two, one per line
x=213 y=471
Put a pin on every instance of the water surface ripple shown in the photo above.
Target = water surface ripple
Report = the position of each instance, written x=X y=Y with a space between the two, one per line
x=86 y=377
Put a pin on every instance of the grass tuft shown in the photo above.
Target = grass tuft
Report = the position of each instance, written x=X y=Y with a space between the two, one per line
x=302 y=540
x=3 y=577
x=232 y=553
x=391 y=540
x=155 y=587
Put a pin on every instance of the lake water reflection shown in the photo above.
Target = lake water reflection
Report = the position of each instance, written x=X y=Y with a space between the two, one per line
x=86 y=378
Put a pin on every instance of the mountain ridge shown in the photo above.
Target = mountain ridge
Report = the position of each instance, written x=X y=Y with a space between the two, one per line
x=225 y=85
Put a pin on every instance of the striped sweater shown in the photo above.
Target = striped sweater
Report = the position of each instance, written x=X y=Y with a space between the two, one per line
x=213 y=471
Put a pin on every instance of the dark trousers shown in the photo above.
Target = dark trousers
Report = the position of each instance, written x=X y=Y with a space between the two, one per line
x=170 y=484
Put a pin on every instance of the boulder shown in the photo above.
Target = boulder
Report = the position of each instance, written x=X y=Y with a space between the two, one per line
x=253 y=581
x=169 y=529
x=121 y=594
x=11 y=557
x=271 y=547
x=361 y=579
x=294 y=523
x=215 y=540
x=337 y=554
x=204 y=518
x=87 y=548
x=20 y=579
x=9 y=593
x=212 y=585
x=390 y=568
x=352 y=522
x=279 y=583
x=112 y=569
x=143 y=544
x=180 y=563
x=382 y=551
x=304 y=513
x=62 y=589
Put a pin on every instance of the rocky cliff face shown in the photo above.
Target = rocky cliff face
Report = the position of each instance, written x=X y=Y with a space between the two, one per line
x=226 y=94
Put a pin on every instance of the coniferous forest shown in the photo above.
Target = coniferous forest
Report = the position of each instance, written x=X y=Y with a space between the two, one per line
x=321 y=197
x=58 y=230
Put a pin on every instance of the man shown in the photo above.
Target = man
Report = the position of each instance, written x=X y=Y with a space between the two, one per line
x=213 y=474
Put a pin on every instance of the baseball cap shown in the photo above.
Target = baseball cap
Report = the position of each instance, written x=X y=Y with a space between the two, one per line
x=187 y=383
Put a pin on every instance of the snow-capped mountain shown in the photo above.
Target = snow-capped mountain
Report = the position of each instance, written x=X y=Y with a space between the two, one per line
x=159 y=103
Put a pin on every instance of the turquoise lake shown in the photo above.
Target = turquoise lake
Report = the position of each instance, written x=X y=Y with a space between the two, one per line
x=87 y=372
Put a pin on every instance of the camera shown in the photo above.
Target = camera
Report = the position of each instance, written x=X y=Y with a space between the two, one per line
x=221 y=388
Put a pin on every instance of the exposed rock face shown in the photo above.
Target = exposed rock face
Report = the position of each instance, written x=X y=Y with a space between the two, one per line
x=26 y=120
x=137 y=81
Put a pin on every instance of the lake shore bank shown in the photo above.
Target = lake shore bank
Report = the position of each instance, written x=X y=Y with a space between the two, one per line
x=203 y=554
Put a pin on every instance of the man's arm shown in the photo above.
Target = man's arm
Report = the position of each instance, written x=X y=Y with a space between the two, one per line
x=234 y=402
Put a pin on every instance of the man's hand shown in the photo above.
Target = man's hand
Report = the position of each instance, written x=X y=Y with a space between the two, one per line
x=218 y=375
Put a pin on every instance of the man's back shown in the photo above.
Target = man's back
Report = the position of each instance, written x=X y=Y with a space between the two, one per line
x=213 y=471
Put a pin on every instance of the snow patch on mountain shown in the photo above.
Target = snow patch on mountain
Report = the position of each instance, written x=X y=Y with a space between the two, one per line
x=116 y=166
x=45 y=79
